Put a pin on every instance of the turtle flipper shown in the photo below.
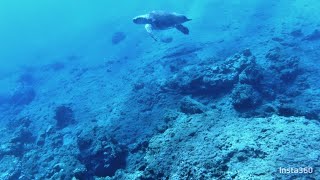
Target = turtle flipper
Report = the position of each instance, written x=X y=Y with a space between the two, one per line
x=149 y=29
x=182 y=29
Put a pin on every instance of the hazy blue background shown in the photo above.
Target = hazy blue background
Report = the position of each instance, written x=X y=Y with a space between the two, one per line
x=37 y=32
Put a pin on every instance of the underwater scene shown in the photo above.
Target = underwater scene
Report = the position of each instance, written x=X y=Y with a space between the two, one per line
x=160 y=90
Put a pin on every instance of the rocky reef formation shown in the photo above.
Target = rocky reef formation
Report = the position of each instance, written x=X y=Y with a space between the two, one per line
x=179 y=117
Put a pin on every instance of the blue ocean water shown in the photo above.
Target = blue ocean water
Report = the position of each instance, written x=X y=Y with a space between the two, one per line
x=149 y=90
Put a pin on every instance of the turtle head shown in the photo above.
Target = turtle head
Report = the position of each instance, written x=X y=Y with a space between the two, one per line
x=184 y=19
x=143 y=19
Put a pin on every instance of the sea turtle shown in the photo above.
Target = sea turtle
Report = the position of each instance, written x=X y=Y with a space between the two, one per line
x=161 y=20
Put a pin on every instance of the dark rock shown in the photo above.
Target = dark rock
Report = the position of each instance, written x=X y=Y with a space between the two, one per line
x=118 y=37
x=41 y=139
x=81 y=173
x=313 y=37
x=298 y=109
x=296 y=33
x=181 y=51
x=147 y=101
x=312 y=114
x=23 y=96
x=24 y=122
x=247 y=52
x=288 y=69
x=248 y=152
x=252 y=75
x=26 y=79
x=138 y=86
x=288 y=44
x=209 y=80
x=150 y=174
x=101 y=155
x=23 y=135
x=22 y=138
x=273 y=54
x=56 y=140
x=142 y=146
x=56 y=66
x=190 y=106
x=84 y=142
x=277 y=39
x=293 y=92
x=268 y=108
x=237 y=63
x=287 y=111
x=162 y=128
x=289 y=75
x=170 y=116
x=64 y=116
x=16 y=175
x=15 y=149
x=279 y=77
x=110 y=62
x=74 y=57
x=244 y=98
